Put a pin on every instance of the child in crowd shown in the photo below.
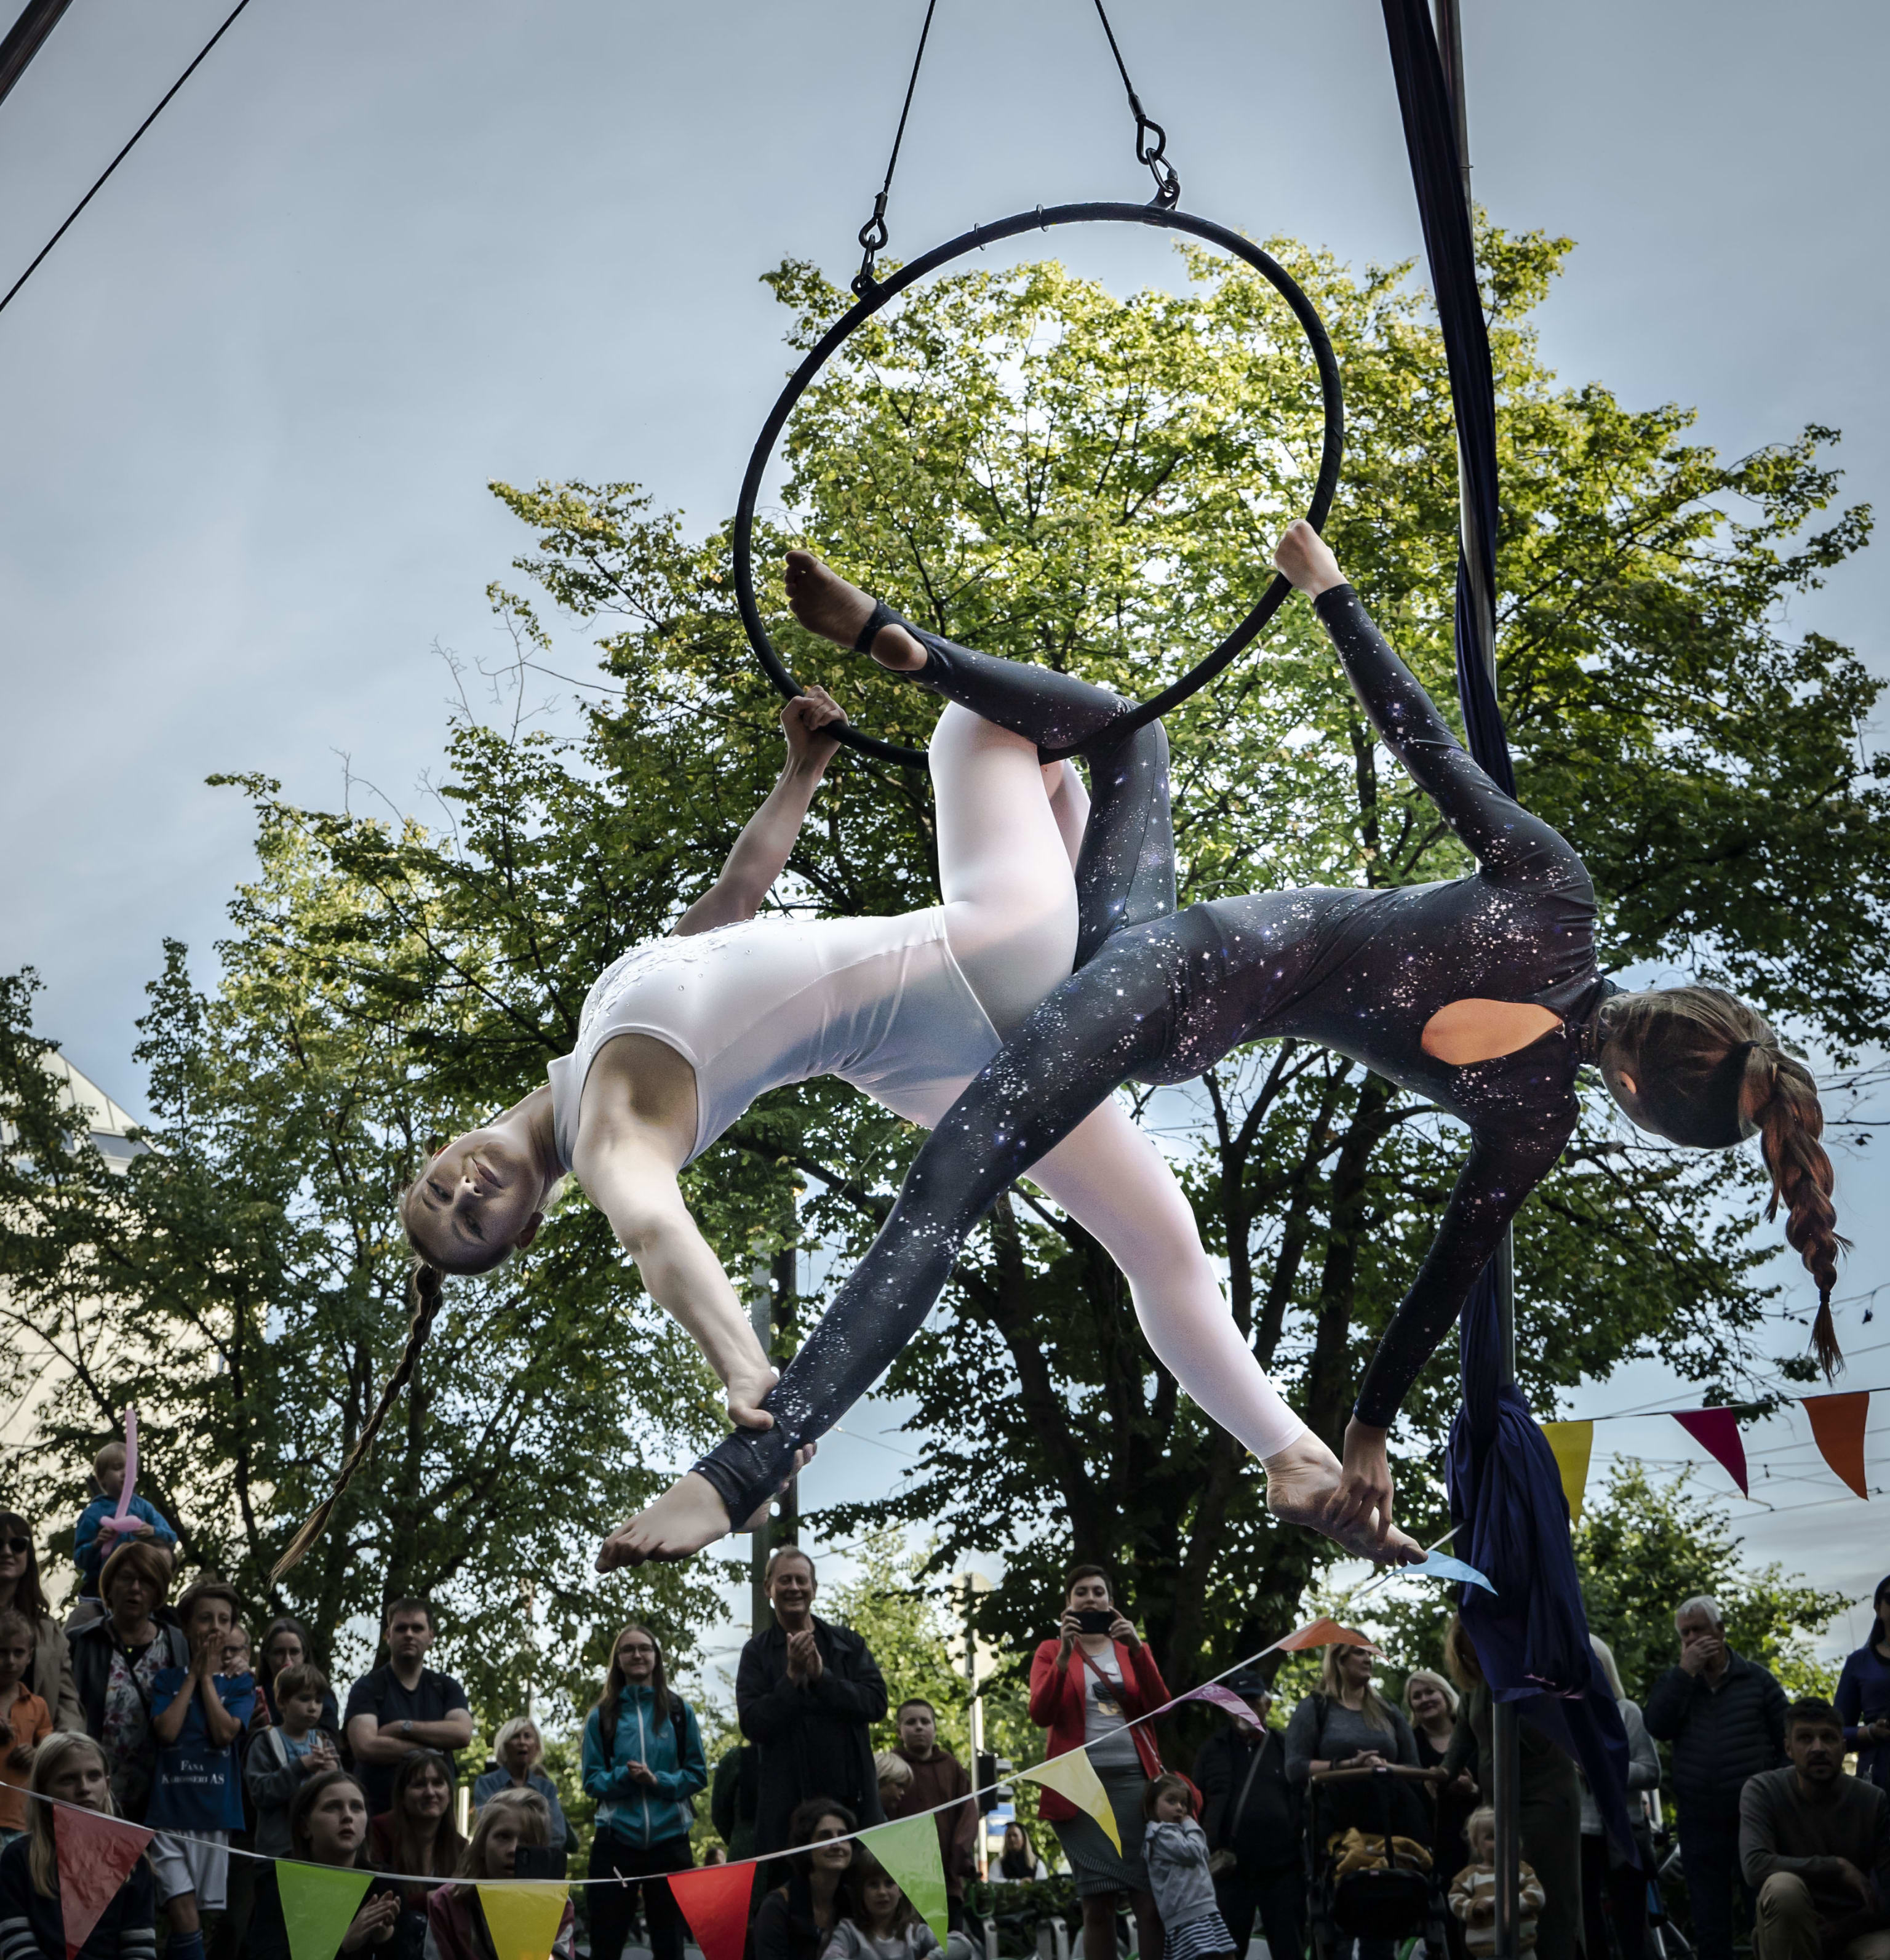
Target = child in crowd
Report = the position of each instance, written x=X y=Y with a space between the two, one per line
x=328 y=1825
x=198 y=1713
x=895 y=1778
x=1175 y=1849
x=69 y=1769
x=283 y=1758
x=877 y=1920
x=24 y=1720
x=1473 y=1890
x=456 y=1927
x=92 y=1545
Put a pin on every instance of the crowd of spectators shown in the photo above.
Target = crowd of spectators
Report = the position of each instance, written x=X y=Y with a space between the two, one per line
x=166 y=1711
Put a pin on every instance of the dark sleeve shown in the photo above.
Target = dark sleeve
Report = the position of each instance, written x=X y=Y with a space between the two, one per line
x=452 y=1697
x=1665 y=1710
x=722 y=1789
x=1848 y=1700
x=1502 y=837
x=1302 y=1736
x=1774 y=1705
x=360 y=1700
x=1501 y=1172
x=863 y=1697
x=1407 y=1743
x=765 y=1710
x=773 y=1938
x=1462 y=1750
x=1880 y=1863
x=1214 y=1777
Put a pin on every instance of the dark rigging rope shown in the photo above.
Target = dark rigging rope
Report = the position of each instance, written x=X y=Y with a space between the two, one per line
x=1152 y=143
x=122 y=155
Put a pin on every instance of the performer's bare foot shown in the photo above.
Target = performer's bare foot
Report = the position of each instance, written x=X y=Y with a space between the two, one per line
x=689 y=1516
x=826 y=604
x=1303 y=1482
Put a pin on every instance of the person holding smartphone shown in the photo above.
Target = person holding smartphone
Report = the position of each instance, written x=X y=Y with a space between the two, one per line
x=1088 y=1686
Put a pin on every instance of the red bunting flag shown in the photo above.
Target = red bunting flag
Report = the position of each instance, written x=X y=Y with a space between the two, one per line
x=714 y=1900
x=1323 y=1634
x=1837 y=1426
x=96 y=1855
x=1717 y=1429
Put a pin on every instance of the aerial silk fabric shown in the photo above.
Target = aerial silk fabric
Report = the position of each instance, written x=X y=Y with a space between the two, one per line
x=1530 y=1633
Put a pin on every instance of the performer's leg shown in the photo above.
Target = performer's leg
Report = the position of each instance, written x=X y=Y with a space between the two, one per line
x=1110 y=1178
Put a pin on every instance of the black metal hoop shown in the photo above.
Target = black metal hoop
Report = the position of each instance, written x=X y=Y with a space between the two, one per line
x=975 y=240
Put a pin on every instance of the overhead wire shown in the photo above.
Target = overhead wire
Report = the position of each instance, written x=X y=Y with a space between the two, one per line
x=131 y=144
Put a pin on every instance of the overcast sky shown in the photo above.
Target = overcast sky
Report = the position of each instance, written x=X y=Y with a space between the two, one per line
x=376 y=255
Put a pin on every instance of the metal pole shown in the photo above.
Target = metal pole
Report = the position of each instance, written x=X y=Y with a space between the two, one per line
x=1505 y=1736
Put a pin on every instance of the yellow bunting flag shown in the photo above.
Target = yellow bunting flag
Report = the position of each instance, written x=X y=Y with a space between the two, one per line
x=1073 y=1776
x=523 y=1921
x=1571 y=1444
x=908 y=1848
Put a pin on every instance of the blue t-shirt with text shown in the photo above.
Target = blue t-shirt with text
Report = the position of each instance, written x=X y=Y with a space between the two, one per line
x=199 y=1786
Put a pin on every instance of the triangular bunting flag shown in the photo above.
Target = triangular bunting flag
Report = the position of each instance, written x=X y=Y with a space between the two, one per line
x=1321 y=1633
x=1717 y=1429
x=909 y=1849
x=1837 y=1426
x=523 y=1921
x=1571 y=1444
x=714 y=1900
x=96 y=1854
x=319 y=1905
x=1221 y=1697
x=1073 y=1776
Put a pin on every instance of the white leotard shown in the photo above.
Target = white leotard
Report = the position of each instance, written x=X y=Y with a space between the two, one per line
x=879 y=1002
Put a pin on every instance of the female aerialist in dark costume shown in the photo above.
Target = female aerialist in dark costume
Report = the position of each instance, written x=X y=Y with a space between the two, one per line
x=1481 y=993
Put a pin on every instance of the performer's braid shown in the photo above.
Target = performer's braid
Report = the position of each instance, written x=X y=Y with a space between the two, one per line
x=426 y=1289
x=1783 y=1101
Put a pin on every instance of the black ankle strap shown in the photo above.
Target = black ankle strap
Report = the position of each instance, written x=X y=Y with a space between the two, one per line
x=882 y=615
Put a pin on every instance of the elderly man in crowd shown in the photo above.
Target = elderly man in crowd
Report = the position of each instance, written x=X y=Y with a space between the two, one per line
x=1251 y=1814
x=1725 y=1716
x=1815 y=1844
x=807 y=1695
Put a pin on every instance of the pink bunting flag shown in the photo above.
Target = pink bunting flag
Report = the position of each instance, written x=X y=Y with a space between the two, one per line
x=1717 y=1429
x=96 y=1854
x=1837 y=1424
x=1222 y=1697
x=121 y=1519
x=714 y=1900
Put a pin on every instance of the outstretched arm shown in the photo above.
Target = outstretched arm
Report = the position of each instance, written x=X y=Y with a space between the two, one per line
x=1498 y=833
x=762 y=849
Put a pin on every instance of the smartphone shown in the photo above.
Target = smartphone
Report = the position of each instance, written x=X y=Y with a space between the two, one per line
x=1096 y=1620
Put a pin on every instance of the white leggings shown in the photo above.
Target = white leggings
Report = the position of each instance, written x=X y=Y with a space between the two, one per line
x=1009 y=831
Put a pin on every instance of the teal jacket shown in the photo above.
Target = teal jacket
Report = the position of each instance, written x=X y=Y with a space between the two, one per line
x=642 y=1814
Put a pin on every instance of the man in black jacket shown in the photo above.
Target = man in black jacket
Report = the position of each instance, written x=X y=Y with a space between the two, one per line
x=807 y=1695
x=1725 y=1716
x=1252 y=1812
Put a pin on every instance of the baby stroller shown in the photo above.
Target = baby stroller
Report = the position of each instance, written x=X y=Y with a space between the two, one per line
x=1381 y=1891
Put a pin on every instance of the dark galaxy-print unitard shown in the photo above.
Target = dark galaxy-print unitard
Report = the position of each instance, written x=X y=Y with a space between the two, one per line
x=1160 y=996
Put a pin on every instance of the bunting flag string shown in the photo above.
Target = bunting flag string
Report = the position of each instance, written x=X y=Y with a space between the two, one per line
x=1838 y=1423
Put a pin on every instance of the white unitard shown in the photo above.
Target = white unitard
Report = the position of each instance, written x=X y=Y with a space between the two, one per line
x=909 y=1009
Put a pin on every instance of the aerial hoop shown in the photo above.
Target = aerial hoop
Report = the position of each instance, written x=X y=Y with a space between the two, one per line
x=877 y=292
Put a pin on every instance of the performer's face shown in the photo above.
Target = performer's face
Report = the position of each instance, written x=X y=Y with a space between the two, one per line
x=478 y=1199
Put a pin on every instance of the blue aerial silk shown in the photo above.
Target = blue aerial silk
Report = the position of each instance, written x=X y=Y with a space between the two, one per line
x=1531 y=1634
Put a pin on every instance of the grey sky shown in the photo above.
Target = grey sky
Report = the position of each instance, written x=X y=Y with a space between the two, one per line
x=376 y=254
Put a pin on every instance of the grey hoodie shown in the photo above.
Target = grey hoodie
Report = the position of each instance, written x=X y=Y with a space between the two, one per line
x=1178 y=1860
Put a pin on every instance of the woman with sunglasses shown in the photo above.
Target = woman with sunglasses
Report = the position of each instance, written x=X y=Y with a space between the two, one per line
x=50 y=1676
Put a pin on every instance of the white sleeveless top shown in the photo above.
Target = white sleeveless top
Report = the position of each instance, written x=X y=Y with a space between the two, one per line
x=879 y=1002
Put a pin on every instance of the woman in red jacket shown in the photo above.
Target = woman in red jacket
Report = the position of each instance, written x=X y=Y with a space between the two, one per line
x=1086 y=1687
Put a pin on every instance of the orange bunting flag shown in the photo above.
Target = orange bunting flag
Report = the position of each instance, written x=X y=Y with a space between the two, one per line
x=1837 y=1426
x=523 y=1921
x=1571 y=1444
x=96 y=1854
x=714 y=1900
x=1073 y=1776
x=1322 y=1634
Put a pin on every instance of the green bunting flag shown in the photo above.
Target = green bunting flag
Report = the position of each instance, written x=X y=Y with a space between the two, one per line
x=319 y=1905
x=909 y=1850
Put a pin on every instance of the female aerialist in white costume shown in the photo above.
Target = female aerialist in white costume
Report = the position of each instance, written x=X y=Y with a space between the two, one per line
x=679 y=1035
